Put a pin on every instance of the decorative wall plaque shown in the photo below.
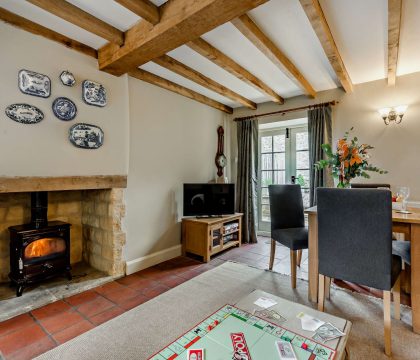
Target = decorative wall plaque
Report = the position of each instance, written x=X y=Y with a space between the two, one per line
x=67 y=78
x=24 y=113
x=93 y=93
x=86 y=136
x=33 y=83
x=64 y=109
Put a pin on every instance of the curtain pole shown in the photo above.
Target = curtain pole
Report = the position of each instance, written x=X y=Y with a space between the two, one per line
x=282 y=112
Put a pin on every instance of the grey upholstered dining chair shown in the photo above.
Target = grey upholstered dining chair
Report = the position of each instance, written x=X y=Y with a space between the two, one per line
x=355 y=244
x=399 y=248
x=288 y=224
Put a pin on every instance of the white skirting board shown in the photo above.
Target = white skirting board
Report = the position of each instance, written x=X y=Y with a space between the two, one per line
x=144 y=262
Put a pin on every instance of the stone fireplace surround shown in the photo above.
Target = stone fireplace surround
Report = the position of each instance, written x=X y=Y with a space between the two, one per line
x=94 y=205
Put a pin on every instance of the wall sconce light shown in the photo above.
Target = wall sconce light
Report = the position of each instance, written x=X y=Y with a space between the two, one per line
x=393 y=114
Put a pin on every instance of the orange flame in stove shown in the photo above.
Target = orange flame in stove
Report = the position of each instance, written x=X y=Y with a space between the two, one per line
x=45 y=247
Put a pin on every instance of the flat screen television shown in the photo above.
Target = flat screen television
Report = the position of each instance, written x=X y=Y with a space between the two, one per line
x=209 y=199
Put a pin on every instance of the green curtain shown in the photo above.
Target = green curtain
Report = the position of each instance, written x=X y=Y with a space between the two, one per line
x=247 y=178
x=319 y=132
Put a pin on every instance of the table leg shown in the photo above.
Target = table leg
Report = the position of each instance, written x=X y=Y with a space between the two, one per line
x=415 y=276
x=313 y=258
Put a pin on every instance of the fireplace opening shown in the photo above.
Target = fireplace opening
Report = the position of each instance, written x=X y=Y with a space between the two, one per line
x=44 y=248
x=39 y=250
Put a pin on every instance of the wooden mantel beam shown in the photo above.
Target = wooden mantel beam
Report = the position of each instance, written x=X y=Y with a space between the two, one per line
x=253 y=33
x=193 y=75
x=83 y=19
x=143 y=8
x=36 y=29
x=180 y=22
x=60 y=183
x=181 y=90
x=216 y=56
x=319 y=23
x=394 y=27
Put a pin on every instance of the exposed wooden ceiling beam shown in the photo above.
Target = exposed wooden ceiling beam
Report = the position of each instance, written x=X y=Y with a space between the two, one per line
x=34 y=28
x=181 y=90
x=180 y=21
x=317 y=19
x=193 y=75
x=394 y=27
x=81 y=18
x=216 y=56
x=143 y=8
x=251 y=31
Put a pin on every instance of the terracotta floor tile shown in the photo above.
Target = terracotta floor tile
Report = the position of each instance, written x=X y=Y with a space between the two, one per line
x=188 y=275
x=16 y=323
x=33 y=350
x=128 y=280
x=82 y=298
x=96 y=306
x=51 y=309
x=143 y=284
x=172 y=281
x=109 y=287
x=153 y=292
x=121 y=295
x=17 y=340
x=106 y=315
x=61 y=321
x=133 y=302
x=73 y=331
x=153 y=273
x=203 y=268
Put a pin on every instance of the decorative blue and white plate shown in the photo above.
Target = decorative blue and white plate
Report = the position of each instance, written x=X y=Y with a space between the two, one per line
x=33 y=83
x=86 y=136
x=24 y=113
x=93 y=93
x=64 y=109
x=67 y=78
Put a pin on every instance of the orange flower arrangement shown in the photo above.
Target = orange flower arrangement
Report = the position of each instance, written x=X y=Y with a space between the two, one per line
x=349 y=161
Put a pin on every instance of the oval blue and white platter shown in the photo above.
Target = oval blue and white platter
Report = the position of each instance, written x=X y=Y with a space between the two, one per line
x=86 y=136
x=93 y=93
x=64 y=109
x=33 y=83
x=24 y=113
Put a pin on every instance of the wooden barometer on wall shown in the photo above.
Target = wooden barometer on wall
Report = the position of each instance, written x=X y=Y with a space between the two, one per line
x=220 y=159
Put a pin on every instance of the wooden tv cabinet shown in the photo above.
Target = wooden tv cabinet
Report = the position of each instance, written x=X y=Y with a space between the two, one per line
x=208 y=236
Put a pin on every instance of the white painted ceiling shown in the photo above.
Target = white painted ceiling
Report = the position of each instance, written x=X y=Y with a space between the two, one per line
x=358 y=26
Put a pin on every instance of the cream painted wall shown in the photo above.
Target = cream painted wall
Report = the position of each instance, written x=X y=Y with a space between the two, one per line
x=173 y=140
x=397 y=147
x=44 y=149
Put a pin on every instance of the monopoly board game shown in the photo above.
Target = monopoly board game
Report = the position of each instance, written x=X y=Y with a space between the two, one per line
x=231 y=333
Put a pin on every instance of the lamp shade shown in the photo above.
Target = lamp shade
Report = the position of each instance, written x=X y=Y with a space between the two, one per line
x=384 y=112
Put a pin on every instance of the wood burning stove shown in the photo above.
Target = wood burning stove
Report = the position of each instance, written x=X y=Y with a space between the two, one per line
x=39 y=250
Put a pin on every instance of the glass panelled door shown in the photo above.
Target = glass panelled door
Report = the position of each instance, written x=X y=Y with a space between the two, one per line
x=273 y=169
x=283 y=153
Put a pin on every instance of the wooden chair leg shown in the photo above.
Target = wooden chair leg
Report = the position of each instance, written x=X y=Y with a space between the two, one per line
x=272 y=254
x=299 y=257
x=321 y=293
x=387 y=322
x=397 y=298
x=347 y=353
x=293 y=268
x=327 y=287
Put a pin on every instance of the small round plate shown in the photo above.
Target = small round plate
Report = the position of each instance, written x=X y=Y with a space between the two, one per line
x=64 y=109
